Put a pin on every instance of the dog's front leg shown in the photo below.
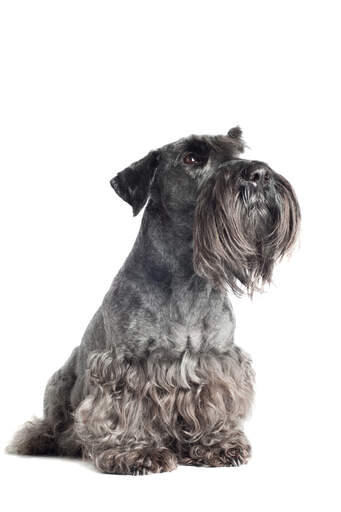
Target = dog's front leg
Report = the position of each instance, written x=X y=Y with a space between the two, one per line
x=116 y=421
x=212 y=411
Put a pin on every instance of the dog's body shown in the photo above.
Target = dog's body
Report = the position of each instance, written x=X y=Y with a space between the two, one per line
x=157 y=378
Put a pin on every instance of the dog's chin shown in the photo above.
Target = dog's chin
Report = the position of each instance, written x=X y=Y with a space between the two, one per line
x=239 y=236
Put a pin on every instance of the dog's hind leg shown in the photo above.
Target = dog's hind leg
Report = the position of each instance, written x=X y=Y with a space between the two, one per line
x=52 y=435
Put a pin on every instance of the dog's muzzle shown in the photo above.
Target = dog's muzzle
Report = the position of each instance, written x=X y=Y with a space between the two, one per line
x=257 y=174
x=250 y=180
x=249 y=172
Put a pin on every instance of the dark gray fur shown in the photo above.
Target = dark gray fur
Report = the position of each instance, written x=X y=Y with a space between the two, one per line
x=157 y=379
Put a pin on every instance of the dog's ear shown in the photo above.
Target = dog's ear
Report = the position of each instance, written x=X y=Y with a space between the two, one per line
x=235 y=132
x=236 y=135
x=133 y=183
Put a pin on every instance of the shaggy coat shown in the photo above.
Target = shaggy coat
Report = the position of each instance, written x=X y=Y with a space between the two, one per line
x=157 y=379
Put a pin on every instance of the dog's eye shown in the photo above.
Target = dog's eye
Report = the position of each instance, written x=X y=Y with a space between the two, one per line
x=192 y=159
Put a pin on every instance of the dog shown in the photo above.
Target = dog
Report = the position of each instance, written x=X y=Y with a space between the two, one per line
x=157 y=380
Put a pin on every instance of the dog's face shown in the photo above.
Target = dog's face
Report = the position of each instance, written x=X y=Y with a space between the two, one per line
x=242 y=214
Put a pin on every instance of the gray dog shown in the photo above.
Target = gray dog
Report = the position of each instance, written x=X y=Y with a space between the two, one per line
x=157 y=379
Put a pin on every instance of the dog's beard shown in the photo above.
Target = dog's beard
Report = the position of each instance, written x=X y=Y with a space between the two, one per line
x=240 y=233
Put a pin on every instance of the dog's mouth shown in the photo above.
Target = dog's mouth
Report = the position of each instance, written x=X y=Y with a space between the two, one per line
x=260 y=213
x=246 y=218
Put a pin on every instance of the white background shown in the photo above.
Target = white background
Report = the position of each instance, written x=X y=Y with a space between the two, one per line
x=87 y=88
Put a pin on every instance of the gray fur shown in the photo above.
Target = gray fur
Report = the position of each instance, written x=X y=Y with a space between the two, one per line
x=157 y=379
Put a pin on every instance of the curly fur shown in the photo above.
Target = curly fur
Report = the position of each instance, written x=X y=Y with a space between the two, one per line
x=163 y=408
x=147 y=415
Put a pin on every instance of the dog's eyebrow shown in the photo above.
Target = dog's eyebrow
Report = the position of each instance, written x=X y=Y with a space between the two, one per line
x=197 y=145
x=191 y=144
x=205 y=144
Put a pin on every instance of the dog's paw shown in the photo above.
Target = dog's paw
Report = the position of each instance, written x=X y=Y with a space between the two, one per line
x=136 y=462
x=154 y=461
x=217 y=456
x=236 y=456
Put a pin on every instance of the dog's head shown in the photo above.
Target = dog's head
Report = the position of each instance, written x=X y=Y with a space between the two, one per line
x=243 y=215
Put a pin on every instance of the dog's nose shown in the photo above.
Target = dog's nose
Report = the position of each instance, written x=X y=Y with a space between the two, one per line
x=258 y=174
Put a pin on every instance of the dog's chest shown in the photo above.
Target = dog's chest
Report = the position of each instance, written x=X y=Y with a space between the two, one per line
x=191 y=316
x=142 y=315
x=199 y=321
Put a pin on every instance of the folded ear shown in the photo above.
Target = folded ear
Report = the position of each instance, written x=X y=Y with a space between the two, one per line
x=133 y=183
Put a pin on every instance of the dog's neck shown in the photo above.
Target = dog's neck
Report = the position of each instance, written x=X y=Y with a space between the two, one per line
x=163 y=250
x=168 y=296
